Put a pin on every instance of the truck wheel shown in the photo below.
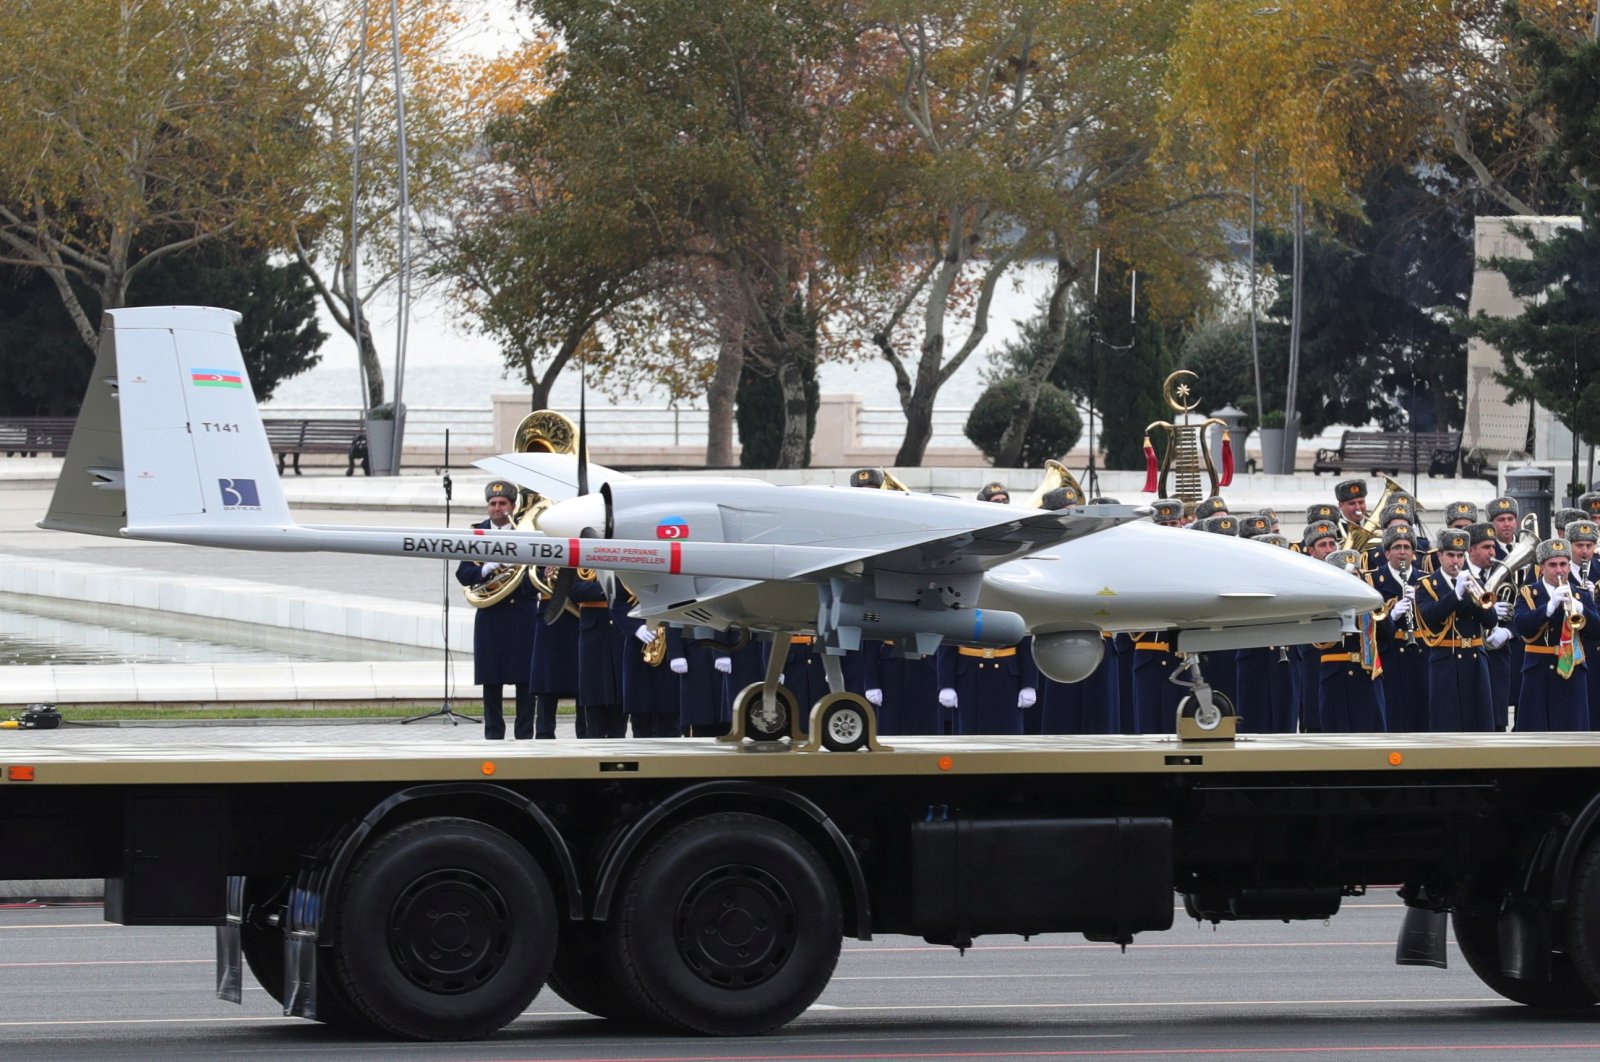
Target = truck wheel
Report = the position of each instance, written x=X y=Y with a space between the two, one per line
x=583 y=974
x=447 y=930
x=1480 y=946
x=262 y=947
x=729 y=926
x=1583 y=920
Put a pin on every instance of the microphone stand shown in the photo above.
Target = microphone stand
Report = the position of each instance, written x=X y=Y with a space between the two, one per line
x=444 y=711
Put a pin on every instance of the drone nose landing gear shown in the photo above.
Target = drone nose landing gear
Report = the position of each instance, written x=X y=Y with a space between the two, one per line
x=1204 y=714
x=767 y=711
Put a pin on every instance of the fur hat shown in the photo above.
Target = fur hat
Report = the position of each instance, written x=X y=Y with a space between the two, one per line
x=1350 y=490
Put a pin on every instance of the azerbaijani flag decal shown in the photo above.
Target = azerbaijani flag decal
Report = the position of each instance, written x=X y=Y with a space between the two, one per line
x=216 y=378
x=673 y=527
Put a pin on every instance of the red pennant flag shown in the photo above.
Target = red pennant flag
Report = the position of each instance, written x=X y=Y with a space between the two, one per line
x=1150 y=467
x=1227 y=460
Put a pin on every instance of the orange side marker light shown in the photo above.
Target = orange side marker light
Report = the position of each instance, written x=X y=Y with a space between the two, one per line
x=19 y=774
x=488 y=766
x=945 y=763
x=1395 y=759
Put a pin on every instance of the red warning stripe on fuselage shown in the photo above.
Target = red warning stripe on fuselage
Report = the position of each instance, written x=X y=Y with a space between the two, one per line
x=677 y=557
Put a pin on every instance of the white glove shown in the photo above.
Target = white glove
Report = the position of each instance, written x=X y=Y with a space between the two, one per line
x=1401 y=608
x=1351 y=568
x=947 y=697
x=1411 y=592
x=1461 y=583
x=1497 y=637
x=874 y=698
x=488 y=568
x=723 y=664
x=679 y=665
x=1558 y=596
x=1027 y=697
x=1502 y=609
x=645 y=633
x=780 y=680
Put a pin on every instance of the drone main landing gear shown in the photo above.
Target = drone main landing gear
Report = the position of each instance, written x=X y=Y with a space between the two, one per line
x=1204 y=714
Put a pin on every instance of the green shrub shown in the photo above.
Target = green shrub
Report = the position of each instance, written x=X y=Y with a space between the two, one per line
x=1055 y=429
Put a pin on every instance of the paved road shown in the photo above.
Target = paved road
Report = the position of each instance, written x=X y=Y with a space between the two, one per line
x=76 y=987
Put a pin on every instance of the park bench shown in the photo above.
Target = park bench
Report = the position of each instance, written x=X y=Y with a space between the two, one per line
x=1393 y=452
x=293 y=436
x=29 y=436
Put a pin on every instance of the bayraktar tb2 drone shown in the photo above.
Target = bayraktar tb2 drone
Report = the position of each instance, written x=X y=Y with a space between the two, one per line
x=170 y=447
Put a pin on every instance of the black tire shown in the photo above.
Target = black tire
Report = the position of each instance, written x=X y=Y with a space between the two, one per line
x=757 y=727
x=1188 y=706
x=262 y=947
x=584 y=976
x=729 y=925
x=844 y=724
x=1583 y=921
x=1480 y=946
x=447 y=930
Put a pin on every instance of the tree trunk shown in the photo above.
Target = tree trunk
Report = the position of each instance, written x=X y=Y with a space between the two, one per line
x=371 y=367
x=720 y=397
x=793 y=451
x=919 y=425
x=1009 y=453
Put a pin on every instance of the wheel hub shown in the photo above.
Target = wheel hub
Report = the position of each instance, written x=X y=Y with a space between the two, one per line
x=449 y=931
x=735 y=926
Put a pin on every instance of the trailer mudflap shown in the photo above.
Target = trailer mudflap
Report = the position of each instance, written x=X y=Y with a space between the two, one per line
x=1105 y=877
x=174 y=847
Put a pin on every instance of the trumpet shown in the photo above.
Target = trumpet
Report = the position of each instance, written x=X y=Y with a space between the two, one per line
x=1572 y=606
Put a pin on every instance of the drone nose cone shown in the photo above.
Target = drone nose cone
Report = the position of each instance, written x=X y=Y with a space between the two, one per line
x=569 y=518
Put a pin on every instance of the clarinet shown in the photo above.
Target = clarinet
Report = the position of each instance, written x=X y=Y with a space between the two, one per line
x=1411 y=614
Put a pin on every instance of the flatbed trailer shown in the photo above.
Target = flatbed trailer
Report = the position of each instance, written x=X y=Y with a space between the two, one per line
x=429 y=891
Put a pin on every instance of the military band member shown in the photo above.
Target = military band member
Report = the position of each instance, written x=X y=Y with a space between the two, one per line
x=1212 y=506
x=1320 y=540
x=988 y=689
x=1583 y=533
x=1393 y=515
x=904 y=691
x=1550 y=615
x=1504 y=517
x=1453 y=622
x=1480 y=565
x=1589 y=502
x=1167 y=512
x=649 y=691
x=1405 y=666
x=502 y=633
x=599 y=659
x=1349 y=695
x=1271 y=515
x=1065 y=497
x=1352 y=498
x=994 y=492
x=554 y=670
x=1254 y=526
x=1266 y=678
x=1562 y=517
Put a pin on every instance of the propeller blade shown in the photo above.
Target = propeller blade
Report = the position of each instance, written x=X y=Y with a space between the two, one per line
x=583 y=429
x=560 y=594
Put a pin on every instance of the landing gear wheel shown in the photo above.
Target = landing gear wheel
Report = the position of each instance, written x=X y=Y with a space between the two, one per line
x=844 y=723
x=762 y=724
x=1217 y=725
x=583 y=976
x=1480 y=946
x=729 y=925
x=448 y=930
x=1583 y=922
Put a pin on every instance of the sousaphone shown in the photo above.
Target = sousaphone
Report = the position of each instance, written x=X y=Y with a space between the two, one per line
x=1056 y=475
x=544 y=431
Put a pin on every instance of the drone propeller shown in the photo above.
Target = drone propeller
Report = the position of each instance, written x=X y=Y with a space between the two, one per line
x=561 y=586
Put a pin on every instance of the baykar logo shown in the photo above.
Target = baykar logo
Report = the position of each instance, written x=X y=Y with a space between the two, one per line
x=216 y=378
x=673 y=527
x=239 y=494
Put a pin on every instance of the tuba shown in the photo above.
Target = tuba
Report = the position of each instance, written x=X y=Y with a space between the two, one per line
x=656 y=652
x=1056 y=475
x=1501 y=584
x=1360 y=536
x=543 y=431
